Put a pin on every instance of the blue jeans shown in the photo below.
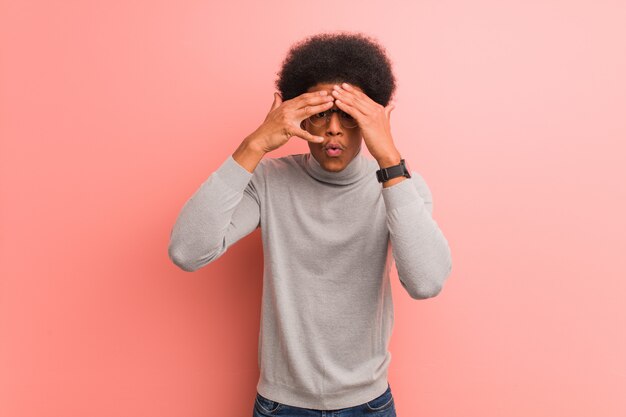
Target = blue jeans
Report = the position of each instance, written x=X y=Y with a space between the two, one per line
x=381 y=406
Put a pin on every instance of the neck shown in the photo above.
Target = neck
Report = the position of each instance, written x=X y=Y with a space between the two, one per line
x=355 y=170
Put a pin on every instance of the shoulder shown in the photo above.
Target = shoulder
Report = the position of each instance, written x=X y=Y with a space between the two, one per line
x=271 y=172
x=273 y=166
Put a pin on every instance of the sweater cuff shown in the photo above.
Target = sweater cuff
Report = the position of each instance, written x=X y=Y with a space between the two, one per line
x=401 y=194
x=233 y=174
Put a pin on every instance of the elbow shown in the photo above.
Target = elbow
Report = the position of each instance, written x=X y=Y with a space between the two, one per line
x=191 y=260
x=422 y=292
x=430 y=284
x=178 y=257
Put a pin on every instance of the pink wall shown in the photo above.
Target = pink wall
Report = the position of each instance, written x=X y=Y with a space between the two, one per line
x=113 y=113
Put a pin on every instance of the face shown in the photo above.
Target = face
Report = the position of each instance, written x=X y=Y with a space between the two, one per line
x=348 y=140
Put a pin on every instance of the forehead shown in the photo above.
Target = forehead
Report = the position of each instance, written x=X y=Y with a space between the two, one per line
x=328 y=87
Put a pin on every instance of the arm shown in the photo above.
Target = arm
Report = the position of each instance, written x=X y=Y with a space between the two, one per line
x=222 y=211
x=420 y=249
x=226 y=207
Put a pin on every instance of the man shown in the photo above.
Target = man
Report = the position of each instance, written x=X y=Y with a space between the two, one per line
x=332 y=224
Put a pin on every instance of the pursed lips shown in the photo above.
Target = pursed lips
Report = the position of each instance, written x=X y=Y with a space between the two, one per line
x=332 y=146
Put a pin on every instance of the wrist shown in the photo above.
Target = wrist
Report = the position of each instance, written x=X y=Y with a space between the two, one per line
x=389 y=160
x=248 y=155
x=254 y=143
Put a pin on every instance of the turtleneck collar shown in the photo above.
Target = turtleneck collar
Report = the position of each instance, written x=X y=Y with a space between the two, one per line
x=355 y=170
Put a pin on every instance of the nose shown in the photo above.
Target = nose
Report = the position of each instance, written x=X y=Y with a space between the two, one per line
x=334 y=125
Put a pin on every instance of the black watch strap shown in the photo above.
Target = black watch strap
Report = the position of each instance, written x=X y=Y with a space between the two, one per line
x=400 y=170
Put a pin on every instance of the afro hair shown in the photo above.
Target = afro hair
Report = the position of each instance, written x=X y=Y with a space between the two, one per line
x=336 y=57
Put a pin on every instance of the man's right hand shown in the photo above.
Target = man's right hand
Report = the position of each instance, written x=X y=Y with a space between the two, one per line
x=283 y=120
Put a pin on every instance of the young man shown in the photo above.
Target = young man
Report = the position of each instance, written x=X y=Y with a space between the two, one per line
x=332 y=223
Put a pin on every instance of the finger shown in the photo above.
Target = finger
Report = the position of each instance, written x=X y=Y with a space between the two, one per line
x=314 y=100
x=360 y=100
x=350 y=110
x=308 y=111
x=348 y=98
x=301 y=133
x=350 y=88
x=304 y=97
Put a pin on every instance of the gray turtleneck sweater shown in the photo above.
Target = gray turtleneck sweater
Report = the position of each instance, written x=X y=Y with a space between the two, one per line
x=329 y=242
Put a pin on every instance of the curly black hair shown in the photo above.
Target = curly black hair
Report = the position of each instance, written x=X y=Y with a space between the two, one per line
x=335 y=57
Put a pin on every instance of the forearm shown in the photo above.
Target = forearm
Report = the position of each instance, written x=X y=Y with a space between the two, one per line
x=249 y=154
x=420 y=249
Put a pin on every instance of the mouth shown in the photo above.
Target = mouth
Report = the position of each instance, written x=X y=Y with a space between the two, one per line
x=333 y=149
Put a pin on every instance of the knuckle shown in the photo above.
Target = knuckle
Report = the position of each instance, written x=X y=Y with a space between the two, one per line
x=284 y=117
x=314 y=100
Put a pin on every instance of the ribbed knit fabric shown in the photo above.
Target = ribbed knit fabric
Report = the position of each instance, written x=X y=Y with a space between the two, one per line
x=329 y=242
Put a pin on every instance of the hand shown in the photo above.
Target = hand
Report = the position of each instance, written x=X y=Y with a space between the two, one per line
x=373 y=119
x=283 y=120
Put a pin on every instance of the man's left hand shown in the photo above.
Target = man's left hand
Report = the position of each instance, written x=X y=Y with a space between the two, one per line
x=373 y=119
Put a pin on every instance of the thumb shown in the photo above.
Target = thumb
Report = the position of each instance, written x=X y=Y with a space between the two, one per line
x=277 y=101
x=388 y=110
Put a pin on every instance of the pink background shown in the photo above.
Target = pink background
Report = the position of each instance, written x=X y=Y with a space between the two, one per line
x=113 y=113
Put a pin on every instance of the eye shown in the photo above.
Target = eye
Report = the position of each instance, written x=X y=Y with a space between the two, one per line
x=319 y=115
x=346 y=116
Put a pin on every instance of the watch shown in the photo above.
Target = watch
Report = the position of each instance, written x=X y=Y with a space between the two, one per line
x=400 y=170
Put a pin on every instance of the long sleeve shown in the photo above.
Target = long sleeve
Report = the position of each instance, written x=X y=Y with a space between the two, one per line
x=224 y=209
x=419 y=248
